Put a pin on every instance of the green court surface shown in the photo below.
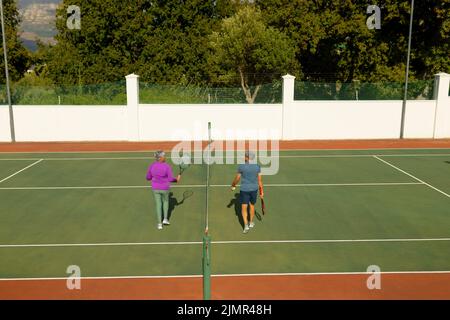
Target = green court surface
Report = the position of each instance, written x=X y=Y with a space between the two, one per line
x=327 y=211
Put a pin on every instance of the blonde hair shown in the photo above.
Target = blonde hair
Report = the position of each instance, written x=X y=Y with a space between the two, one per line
x=159 y=154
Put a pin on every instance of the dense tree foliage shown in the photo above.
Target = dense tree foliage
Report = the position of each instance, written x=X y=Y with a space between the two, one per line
x=18 y=57
x=332 y=37
x=169 y=41
x=161 y=40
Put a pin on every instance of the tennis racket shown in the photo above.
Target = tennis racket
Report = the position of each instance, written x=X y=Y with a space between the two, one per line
x=185 y=163
x=263 y=206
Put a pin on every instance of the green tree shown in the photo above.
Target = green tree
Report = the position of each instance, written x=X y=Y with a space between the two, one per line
x=247 y=52
x=431 y=38
x=18 y=56
x=176 y=50
x=161 y=40
x=332 y=37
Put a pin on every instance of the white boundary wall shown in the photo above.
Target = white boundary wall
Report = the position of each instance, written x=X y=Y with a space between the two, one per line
x=373 y=119
x=190 y=122
x=290 y=120
x=5 y=134
x=419 y=119
x=359 y=120
x=345 y=120
x=70 y=123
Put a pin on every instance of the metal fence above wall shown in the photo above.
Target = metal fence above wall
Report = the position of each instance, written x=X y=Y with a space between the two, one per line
x=417 y=90
x=192 y=94
x=113 y=93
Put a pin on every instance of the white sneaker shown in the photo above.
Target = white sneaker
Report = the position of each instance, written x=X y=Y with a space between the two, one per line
x=159 y=226
x=251 y=225
x=166 y=222
x=246 y=229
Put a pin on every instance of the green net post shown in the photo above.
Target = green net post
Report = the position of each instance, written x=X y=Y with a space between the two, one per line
x=206 y=267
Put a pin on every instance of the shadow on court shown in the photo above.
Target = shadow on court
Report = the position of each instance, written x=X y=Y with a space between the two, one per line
x=173 y=202
x=447 y=162
x=236 y=202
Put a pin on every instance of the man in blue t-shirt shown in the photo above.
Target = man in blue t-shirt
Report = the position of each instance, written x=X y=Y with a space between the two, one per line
x=250 y=176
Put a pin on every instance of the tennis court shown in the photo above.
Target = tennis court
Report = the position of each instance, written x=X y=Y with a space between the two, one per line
x=327 y=212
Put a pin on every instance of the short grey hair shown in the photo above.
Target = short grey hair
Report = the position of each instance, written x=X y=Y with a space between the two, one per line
x=250 y=155
x=159 y=154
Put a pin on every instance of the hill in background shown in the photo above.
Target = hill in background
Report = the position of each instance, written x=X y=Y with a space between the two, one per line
x=38 y=21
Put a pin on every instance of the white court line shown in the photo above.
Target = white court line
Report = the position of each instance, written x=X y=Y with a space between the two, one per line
x=105 y=244
x=151 y=152
x=217 y=186
x=327 y=273
x=88 y=187
x=330 y=241
x=126 y=244
x=101 y=278
x=150 y=158
x=81 y=159
x=414 y=177
x=329 y=184
x=232 y=275
x=16 y=173
x=367 y=155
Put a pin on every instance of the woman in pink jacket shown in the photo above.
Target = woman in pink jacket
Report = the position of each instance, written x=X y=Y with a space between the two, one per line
x=160 y=174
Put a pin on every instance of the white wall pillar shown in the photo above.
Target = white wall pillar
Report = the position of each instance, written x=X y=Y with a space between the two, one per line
x=442 y=116
x=133 y=107
x=288 y=121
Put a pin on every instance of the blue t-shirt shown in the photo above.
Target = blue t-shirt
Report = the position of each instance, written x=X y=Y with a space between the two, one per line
x=249 y=176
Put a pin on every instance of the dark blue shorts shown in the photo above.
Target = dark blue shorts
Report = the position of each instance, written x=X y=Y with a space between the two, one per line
x=248 y=197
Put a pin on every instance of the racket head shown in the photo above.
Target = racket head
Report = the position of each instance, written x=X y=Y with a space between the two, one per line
x=184 y=166
x=185 y=162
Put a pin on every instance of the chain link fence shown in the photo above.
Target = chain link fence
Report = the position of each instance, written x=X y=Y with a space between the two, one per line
x=113 y=93
x=417 y=90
